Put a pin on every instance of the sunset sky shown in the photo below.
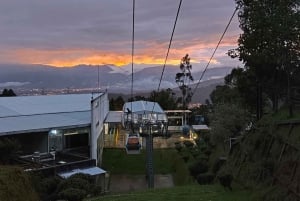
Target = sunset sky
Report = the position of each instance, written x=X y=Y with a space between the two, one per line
x=71 y=32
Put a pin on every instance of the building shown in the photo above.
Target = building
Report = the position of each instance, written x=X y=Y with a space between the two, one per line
x=61 y=132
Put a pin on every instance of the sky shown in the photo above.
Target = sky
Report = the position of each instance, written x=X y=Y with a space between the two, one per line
x=65 y=33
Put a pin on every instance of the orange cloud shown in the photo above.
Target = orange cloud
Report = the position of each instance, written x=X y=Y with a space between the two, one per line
x=146 y=53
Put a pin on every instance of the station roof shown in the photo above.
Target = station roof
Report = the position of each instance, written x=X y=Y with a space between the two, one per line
x=40 y=113
x=114 y=117
x=143 y=107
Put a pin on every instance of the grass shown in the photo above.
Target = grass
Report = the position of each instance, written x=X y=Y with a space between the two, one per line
x=166 y=161
x=191 y=192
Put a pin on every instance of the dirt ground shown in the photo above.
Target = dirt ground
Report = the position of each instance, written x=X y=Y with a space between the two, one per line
x=129 y=183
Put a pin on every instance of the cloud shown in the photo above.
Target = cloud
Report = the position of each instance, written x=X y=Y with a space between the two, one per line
x=13 y=84
x=65 y=33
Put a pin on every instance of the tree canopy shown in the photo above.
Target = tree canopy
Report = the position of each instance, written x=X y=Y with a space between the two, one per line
x=7 y=93
x=269 y=45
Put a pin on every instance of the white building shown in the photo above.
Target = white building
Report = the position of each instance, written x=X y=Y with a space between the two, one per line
x=69 y=124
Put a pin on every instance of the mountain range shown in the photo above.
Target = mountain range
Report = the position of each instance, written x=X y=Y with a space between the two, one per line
x=107 y=77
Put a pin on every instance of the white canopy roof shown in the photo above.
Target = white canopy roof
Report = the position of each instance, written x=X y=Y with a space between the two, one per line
x=29 y=105
x=143 y=107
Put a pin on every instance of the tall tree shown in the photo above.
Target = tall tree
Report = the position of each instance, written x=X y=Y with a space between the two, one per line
x=116 y=104
x=183 y=79
x=269 y=44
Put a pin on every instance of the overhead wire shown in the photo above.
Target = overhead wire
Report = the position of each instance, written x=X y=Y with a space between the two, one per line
x=169 y=47
x=132 y=59
x=215 y=50
x=132 y=46
x=167 y=55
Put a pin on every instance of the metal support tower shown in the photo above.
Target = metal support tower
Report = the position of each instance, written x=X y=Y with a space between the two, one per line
x=149 y=151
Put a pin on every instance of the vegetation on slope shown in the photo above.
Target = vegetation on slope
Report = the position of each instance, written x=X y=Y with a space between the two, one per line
x=15 y=185
x=194 y=192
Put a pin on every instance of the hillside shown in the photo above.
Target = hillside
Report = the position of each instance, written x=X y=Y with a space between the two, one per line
x=114 y=79
x=15 y=185
x=201 y=94
x=268 y=155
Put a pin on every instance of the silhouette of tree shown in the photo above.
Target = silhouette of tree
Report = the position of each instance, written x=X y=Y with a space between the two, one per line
x=269 y=46
x=116 y=104
x=7 y=93
x=183 y=79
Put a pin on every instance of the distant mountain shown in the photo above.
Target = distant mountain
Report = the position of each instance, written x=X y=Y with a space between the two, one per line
x=112 y=78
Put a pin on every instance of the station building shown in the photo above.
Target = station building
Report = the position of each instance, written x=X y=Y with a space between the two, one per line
x=58 y=132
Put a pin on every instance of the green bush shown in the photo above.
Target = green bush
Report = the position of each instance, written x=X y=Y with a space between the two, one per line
x=74 y=183
x=15 y=185
x=48 y=185
x=195 y=153
x=9 y=149
x=197 y=168
x=96 y=190
x=83 y=176
x=202 y=157
x=218 y=164
x=205 y=178
x=72 y=194
x=188 y=144
x=178 y=146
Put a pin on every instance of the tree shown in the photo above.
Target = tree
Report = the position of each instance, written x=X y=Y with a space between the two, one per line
x=165 y=98
x=183 y=79
x=7 y=93
x=228 y=120
x=269 y=44
x=241 y=81
x=224 y=94
x=116 y=104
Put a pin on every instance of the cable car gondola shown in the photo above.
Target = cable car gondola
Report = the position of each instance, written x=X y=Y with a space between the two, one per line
x=133 y=144
x=146 y=118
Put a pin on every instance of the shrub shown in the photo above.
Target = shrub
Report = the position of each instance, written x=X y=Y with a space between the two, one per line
x=74 y=183
x=188 y=144
x=218 y=164
x=205 y=178
x=83 y=176
x=9 y=149
x=96 y=190
x=202 y=157
x=48 y=185
x=72 y=194
x=197 y=168
x=178 y=146
x=225 y=179
x=195 y=153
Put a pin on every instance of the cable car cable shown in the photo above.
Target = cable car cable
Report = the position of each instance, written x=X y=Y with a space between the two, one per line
x=169 y=47
x=213 y=54
x=167 y=55
x=132 y=59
